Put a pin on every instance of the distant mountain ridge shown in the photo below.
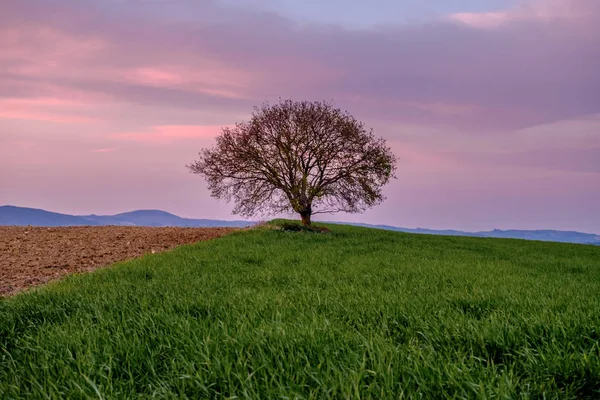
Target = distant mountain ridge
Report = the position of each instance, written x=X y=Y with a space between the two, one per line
x=542 y=234
x=21 y=216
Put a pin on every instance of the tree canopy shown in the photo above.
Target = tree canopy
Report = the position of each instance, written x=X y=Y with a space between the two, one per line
x=304 y=157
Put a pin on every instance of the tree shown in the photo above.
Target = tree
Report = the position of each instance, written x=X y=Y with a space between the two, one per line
x=305 y=157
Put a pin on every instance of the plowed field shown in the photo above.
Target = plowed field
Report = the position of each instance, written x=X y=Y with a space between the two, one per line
x=31 y=256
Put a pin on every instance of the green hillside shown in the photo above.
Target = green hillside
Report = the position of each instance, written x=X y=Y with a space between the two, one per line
x=355 y=313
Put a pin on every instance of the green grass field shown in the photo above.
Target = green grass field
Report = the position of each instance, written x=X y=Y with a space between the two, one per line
x=355 y=313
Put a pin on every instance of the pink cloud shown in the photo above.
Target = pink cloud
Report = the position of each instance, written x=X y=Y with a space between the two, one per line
x=153 y=76
x=24 y=144
x=164 y=134
x=540 y=11
x=37 y=102
x=45 y=50
x=217 y=80
x=483 y=20
x=105 y=150
x=446 y=108
x=411 y=156
x=48 y=117
x=44 y=109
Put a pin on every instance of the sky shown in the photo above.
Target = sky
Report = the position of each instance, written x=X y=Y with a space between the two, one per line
x=491 y=106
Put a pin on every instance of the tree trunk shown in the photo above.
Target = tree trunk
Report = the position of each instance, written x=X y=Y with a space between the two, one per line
x=305 y=218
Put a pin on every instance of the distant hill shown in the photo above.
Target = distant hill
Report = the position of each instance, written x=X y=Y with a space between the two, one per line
x=21 y=216
x=544 y=235
x=10 y=215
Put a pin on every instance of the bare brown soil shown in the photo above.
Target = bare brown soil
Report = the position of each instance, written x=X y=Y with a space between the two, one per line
x=31 y=256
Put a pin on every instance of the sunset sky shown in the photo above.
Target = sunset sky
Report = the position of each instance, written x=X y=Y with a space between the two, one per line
x=492 y=106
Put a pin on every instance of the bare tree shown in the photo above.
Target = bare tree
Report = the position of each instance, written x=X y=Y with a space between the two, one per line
x=306 y=157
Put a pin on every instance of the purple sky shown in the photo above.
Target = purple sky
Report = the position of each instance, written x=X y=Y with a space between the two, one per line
x=492 y=107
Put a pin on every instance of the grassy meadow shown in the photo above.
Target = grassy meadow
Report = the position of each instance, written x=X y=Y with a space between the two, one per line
x=354 y=313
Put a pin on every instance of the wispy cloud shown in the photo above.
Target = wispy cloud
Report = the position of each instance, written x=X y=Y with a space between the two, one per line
x=49 y=109
x=165 y=134
x=571 y=12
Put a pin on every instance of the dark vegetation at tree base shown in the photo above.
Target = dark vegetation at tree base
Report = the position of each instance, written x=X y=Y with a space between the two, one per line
x=355 y=313
x=295 y=227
